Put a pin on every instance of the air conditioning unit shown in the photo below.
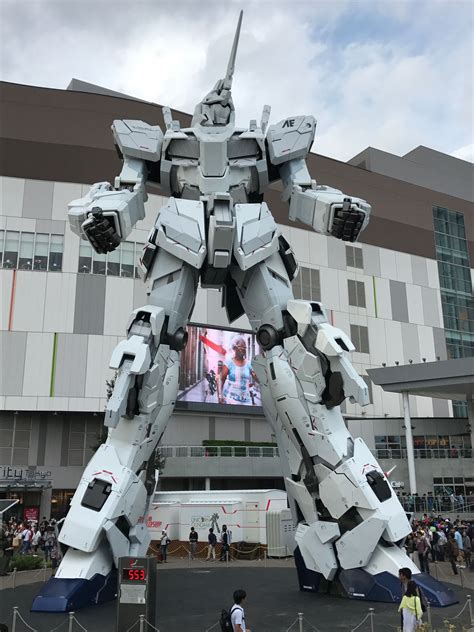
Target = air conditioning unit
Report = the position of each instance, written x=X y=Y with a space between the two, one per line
x=280 y=533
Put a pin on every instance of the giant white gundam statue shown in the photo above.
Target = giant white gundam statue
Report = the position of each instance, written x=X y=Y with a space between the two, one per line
x=216 y=229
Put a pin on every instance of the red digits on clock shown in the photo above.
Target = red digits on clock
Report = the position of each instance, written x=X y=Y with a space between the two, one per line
x=136 y=574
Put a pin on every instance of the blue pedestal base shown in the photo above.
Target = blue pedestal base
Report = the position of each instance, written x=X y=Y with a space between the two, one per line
x=385 y=587
x=64 y=595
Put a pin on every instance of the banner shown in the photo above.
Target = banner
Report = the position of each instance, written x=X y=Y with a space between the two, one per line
x=216 y=368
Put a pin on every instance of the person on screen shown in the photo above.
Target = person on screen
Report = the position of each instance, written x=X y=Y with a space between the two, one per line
x=236 y=377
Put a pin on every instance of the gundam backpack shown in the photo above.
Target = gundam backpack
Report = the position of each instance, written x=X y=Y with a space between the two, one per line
x=226 y=621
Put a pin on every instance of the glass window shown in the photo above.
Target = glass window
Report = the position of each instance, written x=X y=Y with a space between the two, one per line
x=315 y=285
x=10 y=255
x=99 y=263
x=113 y=262
x=85 y=257
x=306 y=284
x=25 y=261
x=2 y=238
x=41 y=251
x=360 y=338
x=56 y=253
x=138 y=253
x=354 y=257
x=127 y=265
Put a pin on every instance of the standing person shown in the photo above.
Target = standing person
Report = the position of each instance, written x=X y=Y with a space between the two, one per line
x=236 y=375
x=211 y=542
x=49 y=542
x=26 y=537
x=225 y=544
x=164 y=546
x=237 y=613
x=193 y=540
x=466 y=542
x=36 y=540
x=452 y=552
x=422 y=548
x=410 y=608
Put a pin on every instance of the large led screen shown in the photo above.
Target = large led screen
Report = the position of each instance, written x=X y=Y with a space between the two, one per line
x=216 y=368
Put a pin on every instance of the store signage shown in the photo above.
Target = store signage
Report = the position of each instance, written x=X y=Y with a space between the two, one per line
x=31 y=514
x=16 y=474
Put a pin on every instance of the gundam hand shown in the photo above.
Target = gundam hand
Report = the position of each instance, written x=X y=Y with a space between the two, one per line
x=329 y=211
x=105 y=216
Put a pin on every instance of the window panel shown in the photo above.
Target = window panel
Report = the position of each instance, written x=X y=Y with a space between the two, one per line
x=20 y=457
x=75 y=457
x=22 y=439
x=138 y=253
x=113 y=262
x=56 y=247
x=99 y=263
x=76 y=440
x=85 y=257
x=6 y=438
x=351 y=288
x=360 y=287
x=25 y=261
x=6 y=456
x=23 y=422
x=128 y=262
x=41 y=251
x=10 y=255
x=7 y=424
x=358 y=258
x=2 y=239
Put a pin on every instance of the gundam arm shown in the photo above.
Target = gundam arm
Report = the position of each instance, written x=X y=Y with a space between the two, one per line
x=328 y=211
x=106 y=215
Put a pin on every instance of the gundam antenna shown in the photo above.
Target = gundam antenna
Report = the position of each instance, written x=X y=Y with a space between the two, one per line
x=233 y=53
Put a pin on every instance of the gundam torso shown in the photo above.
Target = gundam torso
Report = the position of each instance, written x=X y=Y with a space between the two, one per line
x=203 y=161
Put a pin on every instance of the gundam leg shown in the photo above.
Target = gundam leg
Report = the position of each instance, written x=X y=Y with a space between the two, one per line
x=350 y=524
x=106 y=517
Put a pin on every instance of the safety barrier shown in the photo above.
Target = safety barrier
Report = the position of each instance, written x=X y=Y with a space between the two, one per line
x=235 y=552
x=300 y=624
x=40 y=572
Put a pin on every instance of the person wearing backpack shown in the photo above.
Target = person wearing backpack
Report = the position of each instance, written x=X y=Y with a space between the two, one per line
x=410 y=608
x=234 y=620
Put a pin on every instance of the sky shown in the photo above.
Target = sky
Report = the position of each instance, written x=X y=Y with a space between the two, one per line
x=390 y=74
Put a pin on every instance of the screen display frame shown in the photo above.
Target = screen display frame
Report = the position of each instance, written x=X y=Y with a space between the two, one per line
x=213 y=407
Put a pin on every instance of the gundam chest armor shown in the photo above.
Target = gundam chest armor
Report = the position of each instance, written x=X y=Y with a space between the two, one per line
x=216 y=229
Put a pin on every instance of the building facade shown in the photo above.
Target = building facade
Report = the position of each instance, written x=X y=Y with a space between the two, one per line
x=403 y=294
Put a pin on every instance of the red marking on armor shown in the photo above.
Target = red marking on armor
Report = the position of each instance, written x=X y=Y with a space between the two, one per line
x=107 y=472
x=268 y=504
x=228 y=512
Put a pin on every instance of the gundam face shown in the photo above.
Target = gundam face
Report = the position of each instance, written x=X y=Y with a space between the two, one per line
x=217 y=230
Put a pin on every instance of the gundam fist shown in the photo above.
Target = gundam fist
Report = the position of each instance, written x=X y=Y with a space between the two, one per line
x=105 y=216
x=330 y=212
x=101 y=231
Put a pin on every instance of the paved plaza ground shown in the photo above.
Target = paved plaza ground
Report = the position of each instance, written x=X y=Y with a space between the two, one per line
x=191 y=596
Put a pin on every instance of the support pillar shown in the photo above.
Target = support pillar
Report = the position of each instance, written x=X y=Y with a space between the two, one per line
x=409 y=438
x=207 y=485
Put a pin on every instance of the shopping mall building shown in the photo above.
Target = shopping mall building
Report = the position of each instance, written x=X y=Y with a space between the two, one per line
x=403 y=293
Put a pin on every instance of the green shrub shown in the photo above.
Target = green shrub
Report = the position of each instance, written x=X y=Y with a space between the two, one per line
x=26 y=562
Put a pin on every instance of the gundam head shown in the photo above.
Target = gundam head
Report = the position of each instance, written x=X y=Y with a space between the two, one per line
x=217 y=107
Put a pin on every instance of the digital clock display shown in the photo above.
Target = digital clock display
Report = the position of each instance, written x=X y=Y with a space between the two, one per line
x=134 y=574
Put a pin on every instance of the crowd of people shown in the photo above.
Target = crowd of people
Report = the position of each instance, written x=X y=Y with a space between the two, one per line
x=29 y=538
x=437 y=539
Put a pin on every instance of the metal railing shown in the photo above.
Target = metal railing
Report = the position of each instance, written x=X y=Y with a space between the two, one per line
x=432 y=453
x=258 y=451
x=202 y=451
x=437 y=504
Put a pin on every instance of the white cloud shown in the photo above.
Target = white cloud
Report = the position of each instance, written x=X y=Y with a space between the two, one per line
x=394 y=92
x=465 y=153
